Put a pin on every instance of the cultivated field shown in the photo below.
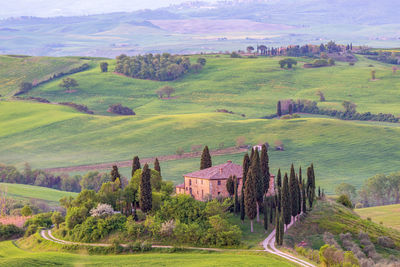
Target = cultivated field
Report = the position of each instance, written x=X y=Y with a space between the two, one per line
x=387 y=215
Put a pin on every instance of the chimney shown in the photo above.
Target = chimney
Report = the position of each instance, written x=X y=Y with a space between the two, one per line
x=229 y=161
x=220 y=170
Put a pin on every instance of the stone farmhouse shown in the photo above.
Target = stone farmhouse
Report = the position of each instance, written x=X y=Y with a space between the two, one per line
x=211 y=182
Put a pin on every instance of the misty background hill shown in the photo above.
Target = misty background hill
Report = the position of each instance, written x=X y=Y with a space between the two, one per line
x=194 y=27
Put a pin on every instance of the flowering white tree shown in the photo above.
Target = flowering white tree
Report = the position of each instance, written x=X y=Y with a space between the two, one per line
x=102 y=210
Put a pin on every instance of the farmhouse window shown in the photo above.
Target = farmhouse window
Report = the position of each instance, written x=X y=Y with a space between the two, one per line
x=190 y=182
x=219 y=182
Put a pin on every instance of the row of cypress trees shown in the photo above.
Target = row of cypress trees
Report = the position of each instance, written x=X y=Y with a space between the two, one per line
x=145 y=197
x=291 y=198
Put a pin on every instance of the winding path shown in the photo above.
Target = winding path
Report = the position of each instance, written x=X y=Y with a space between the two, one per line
x=269 y=246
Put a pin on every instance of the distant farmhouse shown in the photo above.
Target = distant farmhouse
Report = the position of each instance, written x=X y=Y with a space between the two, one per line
x=210 y=183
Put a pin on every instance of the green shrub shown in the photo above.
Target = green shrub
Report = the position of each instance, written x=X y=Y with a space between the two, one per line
x=32 y=229
x=75 y=216
x=135 y=246
x=9 y=231
x=345 y=201
x=26 y=211
x=40 y=220
x=146 y=246
x=134 y=229
x=117 y=246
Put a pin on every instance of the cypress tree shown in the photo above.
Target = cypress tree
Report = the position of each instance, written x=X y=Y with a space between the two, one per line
x=277 y=227
x=250 y=198
x=301 y=190
x=272 y=209
x=266 y=218
x=246 y=166
x=135 y=164
x=252 y=154
x=310 y=186
x=279 y=109
x=299 y=205
x=115 y=173
x=304 y=199
x=157 y=166
x=145 y=200
x=230 y=187
x=205 y=159
x=293 y=192
x=236 y=201
x=265 y=167
x=259 y=181
x=319 y=192
x=281 y=231
x=279 y=189
x=290 y=109
x=286 y=204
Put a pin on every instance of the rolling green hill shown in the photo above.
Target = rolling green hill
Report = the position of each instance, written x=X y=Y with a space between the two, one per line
x=49 y=135
x=17 y=69
x=10 y=255
x=26 y=192
x=244 y=86
x=387 y=215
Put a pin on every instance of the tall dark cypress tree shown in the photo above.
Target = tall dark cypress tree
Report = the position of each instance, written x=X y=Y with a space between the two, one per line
x=115 y=173
x=310 y=186
x=290 y=109
x=279 y=109
x=304 y=197
x=236 y=200
x=157 y=166
x=272 y=209
x=277 y=227
x=301 y=190
x=294 y=197
x=135 y=164
x=286 y=204
x=298 y=195
x=145 y=200
x=279 y=190
x=259 y=181
x=250 y=200
x=266 y=211
x=265 y=167
x=246 y=166
x=281 y=230
x=252 y=154
x=205 y=159
x=230 y=186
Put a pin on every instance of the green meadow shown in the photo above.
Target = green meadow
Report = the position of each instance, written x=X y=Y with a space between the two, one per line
x=10 y=255
x=387 y=215
x=26 y=192
x=17 y=69
x=50 y=135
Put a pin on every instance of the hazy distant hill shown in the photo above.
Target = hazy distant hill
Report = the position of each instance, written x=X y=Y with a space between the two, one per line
x=201 y=26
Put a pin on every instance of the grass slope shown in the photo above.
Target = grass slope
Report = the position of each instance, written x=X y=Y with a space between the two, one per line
x=328 y=216
x=15 y=69
x=245 y=86
x=26 y=192
x=387 y=215
x=10 y=255
x=53 y=136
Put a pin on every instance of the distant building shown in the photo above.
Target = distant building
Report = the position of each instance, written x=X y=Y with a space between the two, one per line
x=211 y=182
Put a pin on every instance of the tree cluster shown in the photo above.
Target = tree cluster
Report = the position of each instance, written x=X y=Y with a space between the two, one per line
x=310 y=107
x=10 y=174
x=120 y=110
x=165 y=67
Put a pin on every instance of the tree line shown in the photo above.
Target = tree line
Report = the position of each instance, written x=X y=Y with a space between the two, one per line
x=378 y=190
x=290 y=106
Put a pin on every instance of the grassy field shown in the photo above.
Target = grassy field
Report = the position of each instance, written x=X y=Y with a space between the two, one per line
x=387 y=215
x=54 y=136
x=10 y=255
x=16 y=69
x=26 y=192
x=328 y=216
x=245 y=86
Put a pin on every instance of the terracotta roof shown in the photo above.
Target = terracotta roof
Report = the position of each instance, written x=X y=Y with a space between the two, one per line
x=222 y=171
x=181 y=185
